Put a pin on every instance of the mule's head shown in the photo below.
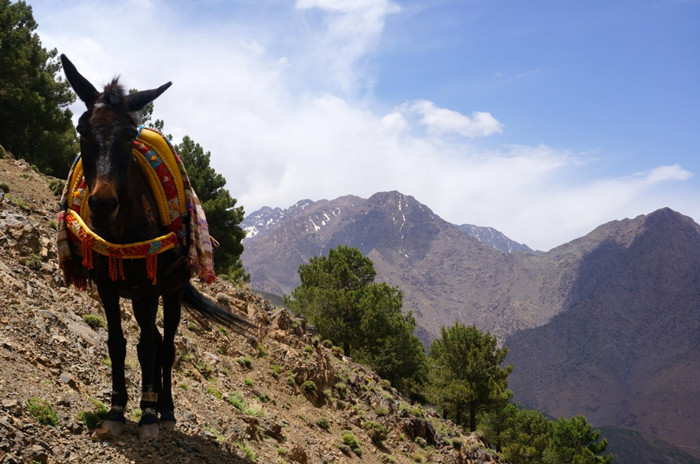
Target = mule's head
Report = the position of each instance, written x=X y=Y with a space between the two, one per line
x=107 y=130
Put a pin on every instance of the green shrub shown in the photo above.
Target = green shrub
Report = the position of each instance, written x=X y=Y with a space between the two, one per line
x=92 y=418
x=18 y=202
x=323 y=423
x=33 y=261
x=94 y=321
x=351 y=442
x=223 y=298
x=338 y=351
x=381 y=410
x=245 y=362
x=341 y=388
x=214 y=391
x=136 y=414
x=309 y=387
x=377 y=432
x=276 y=371
x=237 y=400
x=206 y=369
x=249 y=453
x=42 y=411
x=415 y=411
x=56 y=186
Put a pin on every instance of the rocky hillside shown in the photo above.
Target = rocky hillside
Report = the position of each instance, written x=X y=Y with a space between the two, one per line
x=273 y=395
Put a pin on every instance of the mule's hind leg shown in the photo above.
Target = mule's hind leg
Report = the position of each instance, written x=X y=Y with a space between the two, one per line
x=171 y=320
x=116 y=344
x=145 y=309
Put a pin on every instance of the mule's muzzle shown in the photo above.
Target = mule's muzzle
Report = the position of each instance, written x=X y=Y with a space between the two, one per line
x=103 y=210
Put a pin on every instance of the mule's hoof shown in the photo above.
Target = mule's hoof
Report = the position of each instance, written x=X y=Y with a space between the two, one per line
x=107 y=429
x=167 y=419
x=149 y=432
x=166 y=424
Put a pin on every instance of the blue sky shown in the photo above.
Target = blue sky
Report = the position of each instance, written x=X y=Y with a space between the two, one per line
x=543 y=119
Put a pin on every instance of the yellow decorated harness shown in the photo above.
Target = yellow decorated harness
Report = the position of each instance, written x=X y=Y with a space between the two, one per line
x=179 y=211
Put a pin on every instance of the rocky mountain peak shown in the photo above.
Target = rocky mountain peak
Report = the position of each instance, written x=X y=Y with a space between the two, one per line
x=496 y=239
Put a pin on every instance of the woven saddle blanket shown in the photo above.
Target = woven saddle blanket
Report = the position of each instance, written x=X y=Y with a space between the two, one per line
x=180 y=213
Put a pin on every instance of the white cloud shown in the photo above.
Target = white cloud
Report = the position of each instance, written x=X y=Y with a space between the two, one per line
x=352 y=30
x=442 y=121
x=285 y=124
x=664 y=173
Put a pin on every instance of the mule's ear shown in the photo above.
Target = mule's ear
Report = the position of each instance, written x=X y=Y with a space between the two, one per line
x=136 y=101
x=85 y=90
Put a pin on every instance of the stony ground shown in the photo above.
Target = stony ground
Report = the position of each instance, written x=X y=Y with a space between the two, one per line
x=272 y=395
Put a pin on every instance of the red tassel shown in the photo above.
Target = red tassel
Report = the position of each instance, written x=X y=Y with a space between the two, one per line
x=87 y=251
x=152 y=267
x=116 y=265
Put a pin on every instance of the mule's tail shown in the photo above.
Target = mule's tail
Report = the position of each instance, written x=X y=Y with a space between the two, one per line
x=209 y=308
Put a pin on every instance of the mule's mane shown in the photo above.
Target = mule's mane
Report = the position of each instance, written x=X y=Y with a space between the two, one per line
x=113 y=94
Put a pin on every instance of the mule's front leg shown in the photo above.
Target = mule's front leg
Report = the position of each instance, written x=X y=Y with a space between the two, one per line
x=113 y=425
x=145 y=310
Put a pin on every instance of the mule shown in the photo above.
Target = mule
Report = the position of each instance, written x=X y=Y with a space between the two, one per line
x=122 y=210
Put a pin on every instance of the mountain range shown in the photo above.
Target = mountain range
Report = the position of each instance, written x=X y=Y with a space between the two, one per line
x=606 y=325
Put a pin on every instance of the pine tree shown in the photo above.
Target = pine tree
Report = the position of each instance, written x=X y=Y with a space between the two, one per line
x=575 y=441
x=330 y=292
x=388 y=343
x=338 y=295
x=528 y=437
x=465 y=373
x=35 y=123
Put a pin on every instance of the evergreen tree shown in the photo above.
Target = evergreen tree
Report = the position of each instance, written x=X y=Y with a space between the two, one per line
x=527 y=438
x=338 y=295
x=220 y=208
x=575 y=441
x=35 y=123
x=465 y=373
x=330 y=292
x=496 y=425
x=388 y=343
